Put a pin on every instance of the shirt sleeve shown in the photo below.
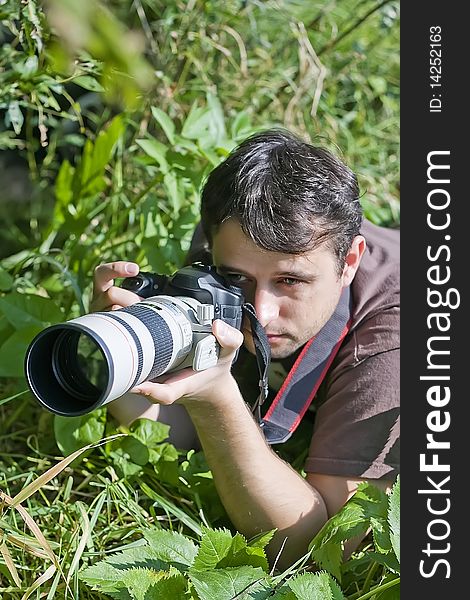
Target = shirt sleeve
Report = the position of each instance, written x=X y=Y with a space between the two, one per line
x=357 y=424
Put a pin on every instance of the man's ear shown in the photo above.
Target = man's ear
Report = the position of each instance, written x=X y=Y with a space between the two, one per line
x=353 y=259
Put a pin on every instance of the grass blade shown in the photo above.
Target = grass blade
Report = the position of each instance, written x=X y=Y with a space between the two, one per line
x=33 y=487
x=10 y=564
x=39 y=581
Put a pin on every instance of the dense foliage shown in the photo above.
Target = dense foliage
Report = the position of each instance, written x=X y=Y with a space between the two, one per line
x=111 y=115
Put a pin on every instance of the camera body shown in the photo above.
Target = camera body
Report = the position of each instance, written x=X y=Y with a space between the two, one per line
x=203 y=295
x=74 y=367
x=199 y=282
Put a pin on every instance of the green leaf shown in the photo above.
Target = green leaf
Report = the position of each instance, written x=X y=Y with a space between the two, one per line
x=165 y=122
x=214 y=546
x=225 y=584
x=171 y=586
x=262 y=539
x=171 y=546
x=107 y=575
x=196 y=124
x=217 y=120
x=14 y=117
x=175 y=193
x=149 y=432
x=316 y=586
x=353 y=519
x=63 y=188
x=329 y=556
x=392 y=593
x=88 y=83
x=394 y=517
x=25 y=310
x=138 y=581
x=241 y=554
x=96 y=157
x=72 y=433
x=102 y=577
x=241 y=125
x=155 y=150
x=13 y=350
x=389 y=561
x=30 y=67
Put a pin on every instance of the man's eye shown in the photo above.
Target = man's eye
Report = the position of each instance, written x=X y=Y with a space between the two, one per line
x=289 y=281
x=236 y=278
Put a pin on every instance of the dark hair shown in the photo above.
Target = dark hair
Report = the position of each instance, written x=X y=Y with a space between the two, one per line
x=287 y=195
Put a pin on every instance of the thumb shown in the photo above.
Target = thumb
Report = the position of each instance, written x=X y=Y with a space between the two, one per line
x=228 y=337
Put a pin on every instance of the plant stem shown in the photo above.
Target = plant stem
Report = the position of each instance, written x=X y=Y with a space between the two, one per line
x=370 y=575
x=379 y=588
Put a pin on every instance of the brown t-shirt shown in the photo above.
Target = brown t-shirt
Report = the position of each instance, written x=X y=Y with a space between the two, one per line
x=356 y=426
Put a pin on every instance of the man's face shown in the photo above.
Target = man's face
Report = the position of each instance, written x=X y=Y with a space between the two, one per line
x=294 y=295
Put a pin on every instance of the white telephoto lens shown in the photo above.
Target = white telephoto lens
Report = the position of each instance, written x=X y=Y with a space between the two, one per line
x=75 y=367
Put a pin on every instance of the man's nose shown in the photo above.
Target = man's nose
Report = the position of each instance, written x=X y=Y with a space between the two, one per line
x=266 y=305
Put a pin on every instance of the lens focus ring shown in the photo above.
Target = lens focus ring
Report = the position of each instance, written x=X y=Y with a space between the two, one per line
x=161 y=336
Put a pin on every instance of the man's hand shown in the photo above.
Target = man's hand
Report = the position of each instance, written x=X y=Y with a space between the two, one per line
x=202 y=386
x=107 y=296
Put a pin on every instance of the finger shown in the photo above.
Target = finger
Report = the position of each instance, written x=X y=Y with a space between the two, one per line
x=114 y=297
x=228 y=337
x=104 y=274
x=160 y=393
x=167 y=388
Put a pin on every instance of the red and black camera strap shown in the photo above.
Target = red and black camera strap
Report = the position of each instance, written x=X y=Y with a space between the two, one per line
x=304 y=379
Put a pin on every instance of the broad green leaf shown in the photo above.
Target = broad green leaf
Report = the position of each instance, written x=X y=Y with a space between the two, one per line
x=241 y=554
x=196 y=124
x=102 y=577
x=394 y=517
x=225 y=584
x=93 y=165
x=214 y=546
x=329 y=557
x=63 y=187
x=29 y=67
x=171 y=546
x=6 y=280
x=387 y=560
x=164 y=459
x=155 y=150
x=262 y=539
x=173 y=189
x=241 y=125
x=72 y=433
x=381 y=534
x=172 y=586
x=107 y=575
x=149 y=432
x=88 y=83
x=217 y=120
x=24 y=310
x=165 y=122
x=316 y=586
x=13 y=350
x=138 y=580
x=353 y=519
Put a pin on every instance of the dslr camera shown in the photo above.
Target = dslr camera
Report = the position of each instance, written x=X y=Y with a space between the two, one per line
x=75 y=367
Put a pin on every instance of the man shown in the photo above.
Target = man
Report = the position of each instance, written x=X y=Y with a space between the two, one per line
x=282 y=220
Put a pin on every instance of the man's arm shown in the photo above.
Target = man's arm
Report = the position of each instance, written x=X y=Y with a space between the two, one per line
x=258 y=489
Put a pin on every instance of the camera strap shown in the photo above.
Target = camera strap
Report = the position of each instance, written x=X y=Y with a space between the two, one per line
x=304 y=379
